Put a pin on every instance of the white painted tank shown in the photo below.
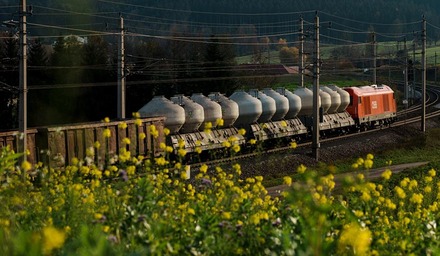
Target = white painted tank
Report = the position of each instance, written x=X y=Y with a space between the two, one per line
x=282 y=104
x=212 y=110
x=345 y=97
x=335 y=99
x=161 y=106
x=326 y=101
x=230 y=110
x=306 y=96
x=250 y=108
x=267 y=103
x=194 y=113
x=294 y=102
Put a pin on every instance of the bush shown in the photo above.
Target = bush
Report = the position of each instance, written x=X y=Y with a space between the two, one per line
x=135 y=205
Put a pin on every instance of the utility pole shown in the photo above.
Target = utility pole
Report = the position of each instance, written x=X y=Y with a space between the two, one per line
x=301 y=52
x=423 y=125
x=121 y=71
x=374 y=58
x=435 y=68
x=405 y=85
x=315 y=135
x=22 y=111
x=414 y=69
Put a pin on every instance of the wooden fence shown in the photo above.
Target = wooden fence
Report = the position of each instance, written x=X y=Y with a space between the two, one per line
x=68 y=141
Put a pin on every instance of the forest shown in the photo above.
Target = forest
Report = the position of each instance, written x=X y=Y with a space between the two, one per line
x=180 y=46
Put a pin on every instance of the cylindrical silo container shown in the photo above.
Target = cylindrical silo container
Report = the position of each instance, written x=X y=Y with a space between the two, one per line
x=213 y=110
x=335 y=99
x=281 y=102
x=194 y=113
x=250 y=108
x=161 y=106
x=294 y=102
x=345 y=97
x=230 y=110
x=306 y=96
x=326 y=101
x=267 y=103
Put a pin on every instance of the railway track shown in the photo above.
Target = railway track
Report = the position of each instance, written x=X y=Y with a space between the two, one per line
x=405 y=117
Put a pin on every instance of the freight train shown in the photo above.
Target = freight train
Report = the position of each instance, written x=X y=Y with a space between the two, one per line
x=202 y=123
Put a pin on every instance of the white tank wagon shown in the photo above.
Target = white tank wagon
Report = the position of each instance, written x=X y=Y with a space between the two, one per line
x=194 y=113
x=345 y=97
x=337 y=116
x=294 y=102
x=282 y=104
x=230 y=109
x=335 y=99
x=250 y=108
x=306 y=96
x=267 y=104
x=212 y=110
x=161 y=106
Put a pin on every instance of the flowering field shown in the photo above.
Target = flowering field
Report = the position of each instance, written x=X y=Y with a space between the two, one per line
x=133 y=205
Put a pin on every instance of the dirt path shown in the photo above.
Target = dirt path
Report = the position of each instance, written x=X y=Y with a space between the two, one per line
x=374 y=174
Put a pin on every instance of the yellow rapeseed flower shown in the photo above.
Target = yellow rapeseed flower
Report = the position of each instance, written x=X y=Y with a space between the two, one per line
x=287 y=180
x=226 y=215
x=142 y=136
x=198 y=150
x=122 y=125
x=416 y=198
x=106 y=120
x=203 y=168
x=236 y=148
x=354 y=240
x=126 y=141
x=368 y=163
x=400 y=193
x=386 y=175
x=97 y=145
x=191 y=211
x=431 y=172
x=242 y=132
x=138 y=122
x=293 y=144
x=26 y=166
x=301 y=168
x=106 y=133
x=181 y=152
x=166 y=131
x=226 y=144
x=370 y=156
x=283 y=123
x=52 y=239
x=208 y=125
x=252 y=141
x=219 y=122
x=366 y=196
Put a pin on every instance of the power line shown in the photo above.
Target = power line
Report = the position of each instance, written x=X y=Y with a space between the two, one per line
x=204 y=12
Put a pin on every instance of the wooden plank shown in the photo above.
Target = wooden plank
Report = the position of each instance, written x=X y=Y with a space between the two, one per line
x=80 y=143
x=141 y=142
x=132 y=135
x=70 y=135
x=113 y=146
x=100 y=153
x=57 y=145
x=32 y=157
